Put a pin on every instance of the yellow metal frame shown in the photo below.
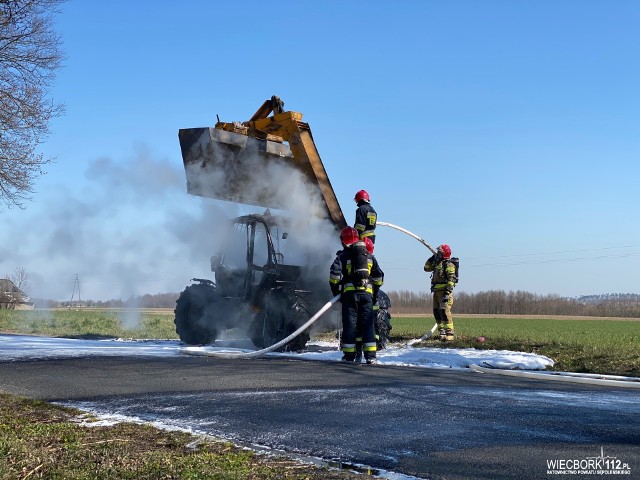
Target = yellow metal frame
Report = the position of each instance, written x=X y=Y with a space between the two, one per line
x=289 y=127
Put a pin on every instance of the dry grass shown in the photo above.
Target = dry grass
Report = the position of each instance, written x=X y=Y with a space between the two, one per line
x=39 y=440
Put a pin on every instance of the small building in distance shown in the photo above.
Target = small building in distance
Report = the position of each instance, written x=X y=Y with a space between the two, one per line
x=12 y=298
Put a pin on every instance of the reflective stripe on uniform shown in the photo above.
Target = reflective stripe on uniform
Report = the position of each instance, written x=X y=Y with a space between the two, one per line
x=348 y=287
x=349 y=347
x=369 y=347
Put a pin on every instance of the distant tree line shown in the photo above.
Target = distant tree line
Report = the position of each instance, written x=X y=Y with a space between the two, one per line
x=518 y=302
x=491 y=302
x=158 y=300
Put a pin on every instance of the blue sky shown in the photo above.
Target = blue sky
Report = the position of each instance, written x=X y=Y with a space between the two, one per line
x=509 y=130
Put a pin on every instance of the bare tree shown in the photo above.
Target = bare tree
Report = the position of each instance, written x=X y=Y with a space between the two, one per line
x=13 y=289
x=20 y=279
x=30 y=55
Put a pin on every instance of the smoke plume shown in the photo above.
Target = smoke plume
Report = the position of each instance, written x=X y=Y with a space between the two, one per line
x=132 y=229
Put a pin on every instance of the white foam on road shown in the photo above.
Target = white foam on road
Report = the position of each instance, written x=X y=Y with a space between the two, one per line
x=24 y=347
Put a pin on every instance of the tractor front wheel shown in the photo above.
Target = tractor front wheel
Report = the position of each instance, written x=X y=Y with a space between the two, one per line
x=193 y=320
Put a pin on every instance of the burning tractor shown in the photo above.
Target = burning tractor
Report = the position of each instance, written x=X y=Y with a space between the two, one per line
x=255 y=290
x=265 y=282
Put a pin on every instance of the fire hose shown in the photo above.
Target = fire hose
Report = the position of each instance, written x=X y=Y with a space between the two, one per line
x=309 y=322
x=275 y=346
x=385 y=224
x=606 y=380
x=421 y=240
x=572 y=377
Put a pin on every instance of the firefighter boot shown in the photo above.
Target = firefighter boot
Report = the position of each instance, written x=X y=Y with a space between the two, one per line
x=449 y=334
x=358 y=351
x=441 y=334
x=348 y=357
x=370 y=358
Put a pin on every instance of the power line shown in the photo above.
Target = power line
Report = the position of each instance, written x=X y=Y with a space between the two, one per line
x=555 y=253
x=553 y=260
x=76 y=286
x=386 y=266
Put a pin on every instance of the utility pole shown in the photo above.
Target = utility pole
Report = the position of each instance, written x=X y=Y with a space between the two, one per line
x=76 y=286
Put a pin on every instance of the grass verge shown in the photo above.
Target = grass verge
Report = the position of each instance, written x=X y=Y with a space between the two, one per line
x=39 y=440
x=89 y=323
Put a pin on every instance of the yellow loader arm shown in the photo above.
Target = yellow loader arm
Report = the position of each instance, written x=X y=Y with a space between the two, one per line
x=229 y=161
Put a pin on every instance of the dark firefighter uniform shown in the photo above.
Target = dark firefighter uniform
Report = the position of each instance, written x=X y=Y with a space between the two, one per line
x=375 y=309
x=357 y=297
x=366 y=218
x=443 y=279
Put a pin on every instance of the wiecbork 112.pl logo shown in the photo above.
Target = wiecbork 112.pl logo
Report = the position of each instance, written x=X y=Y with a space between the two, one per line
x=600 y=465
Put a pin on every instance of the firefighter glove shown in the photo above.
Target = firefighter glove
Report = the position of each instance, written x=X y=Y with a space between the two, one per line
x=375 y=294
x=446 y=298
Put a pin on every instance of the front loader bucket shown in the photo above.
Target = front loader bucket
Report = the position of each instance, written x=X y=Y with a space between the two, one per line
x=232 y=167
x=238 y=168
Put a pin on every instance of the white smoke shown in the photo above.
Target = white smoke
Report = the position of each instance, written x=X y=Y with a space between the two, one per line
x=132 y=229
x=218 y=168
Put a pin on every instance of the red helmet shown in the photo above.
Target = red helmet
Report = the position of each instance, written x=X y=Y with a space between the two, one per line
x=362 y=195
x=445 y=250
x=349 y=236
x=369 y=244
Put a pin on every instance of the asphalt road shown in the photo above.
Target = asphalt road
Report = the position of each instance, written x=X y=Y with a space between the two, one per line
x=421 y=422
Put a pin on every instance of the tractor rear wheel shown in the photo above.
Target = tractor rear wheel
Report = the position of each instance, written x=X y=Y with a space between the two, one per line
x=383 y=327
x=193 y=320
x=281 y=316
x=383 y=319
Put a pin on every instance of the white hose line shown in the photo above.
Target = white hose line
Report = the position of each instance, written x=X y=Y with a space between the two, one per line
x=424 y=337
x=421 y=240
x=596 y=375
x=612 y=381
x=284 y=341
x=385 y=224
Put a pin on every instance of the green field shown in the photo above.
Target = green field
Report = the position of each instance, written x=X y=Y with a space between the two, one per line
x=606 y=346
x=89 y=323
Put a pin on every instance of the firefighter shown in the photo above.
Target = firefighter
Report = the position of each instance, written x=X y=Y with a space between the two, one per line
x=366 y=216
x=443 y=279
x=369 y=244
x=353 y=275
